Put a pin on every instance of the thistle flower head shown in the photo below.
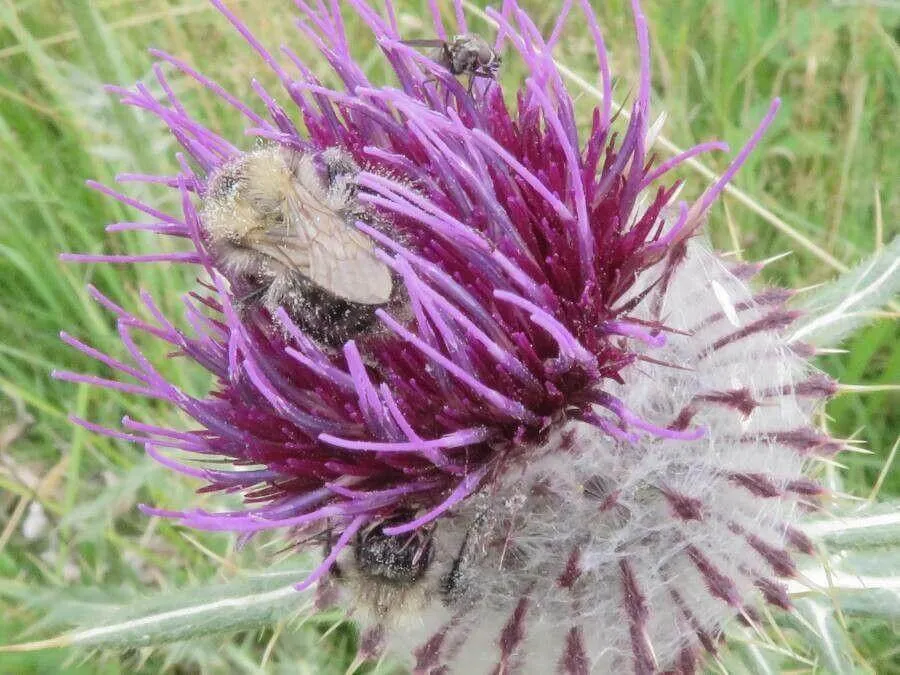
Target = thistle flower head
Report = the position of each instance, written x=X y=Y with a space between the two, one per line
x=576 y=441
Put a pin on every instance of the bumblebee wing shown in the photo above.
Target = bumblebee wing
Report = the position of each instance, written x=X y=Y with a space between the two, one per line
x=343 y=262
x=289 y=243
x=333 y=254
x=289 y=251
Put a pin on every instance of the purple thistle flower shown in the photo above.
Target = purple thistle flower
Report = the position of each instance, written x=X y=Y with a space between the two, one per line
x=578 y=442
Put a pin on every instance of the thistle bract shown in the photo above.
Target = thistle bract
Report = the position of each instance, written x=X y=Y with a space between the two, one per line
x=578 y=443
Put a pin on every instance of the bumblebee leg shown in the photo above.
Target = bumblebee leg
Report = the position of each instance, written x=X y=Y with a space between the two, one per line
x=339 y=163
x=452 y=582
x=248 y=299
x=335 y=569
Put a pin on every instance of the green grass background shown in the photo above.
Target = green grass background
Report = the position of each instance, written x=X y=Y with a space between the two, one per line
x=828 y=169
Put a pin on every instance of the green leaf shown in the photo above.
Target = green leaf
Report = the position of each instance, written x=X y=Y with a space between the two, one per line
x=859 y=571
x=845 y=304
x=246 y=603
x=859 y=582
x=873 y=525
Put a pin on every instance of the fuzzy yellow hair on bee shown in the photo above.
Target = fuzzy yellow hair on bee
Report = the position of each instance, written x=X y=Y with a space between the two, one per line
x=279 y=224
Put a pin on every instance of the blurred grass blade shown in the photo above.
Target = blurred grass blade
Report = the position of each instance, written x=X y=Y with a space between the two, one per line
x=844 y=305
x=184 y=614
x=746 y=655
x=826 y=637
x=109 y=63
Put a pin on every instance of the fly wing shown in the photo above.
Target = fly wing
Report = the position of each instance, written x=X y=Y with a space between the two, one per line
x=336 y=257
x=423 y=43
x=439 y=51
